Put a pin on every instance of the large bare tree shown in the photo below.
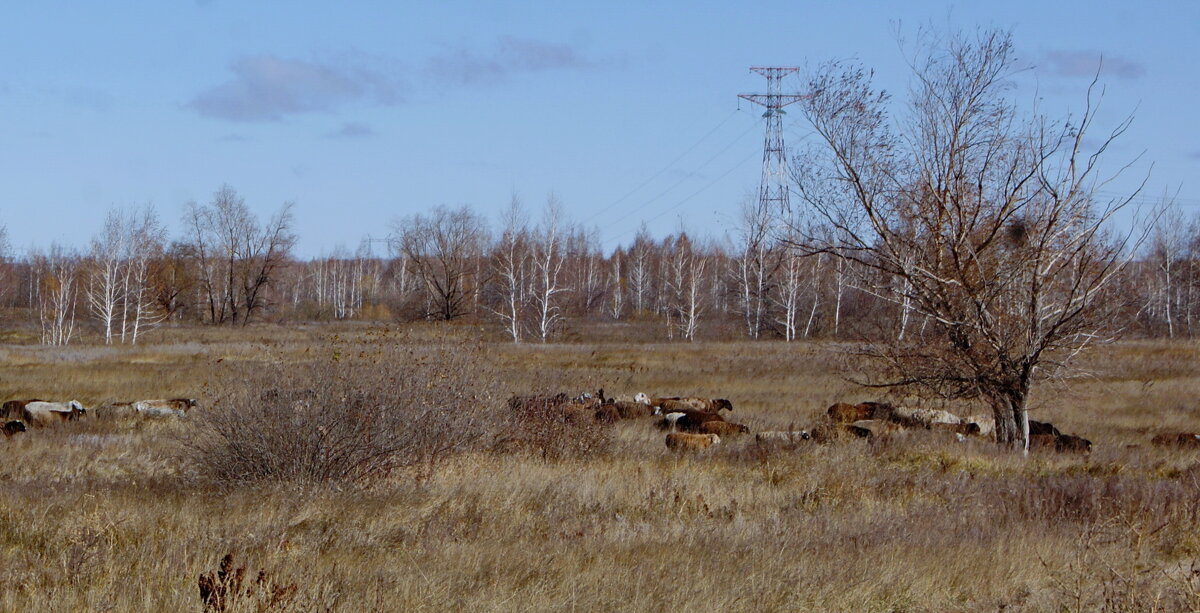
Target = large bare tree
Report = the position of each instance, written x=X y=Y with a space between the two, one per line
x=236 y=255
x=443 y=249
x=984 y=220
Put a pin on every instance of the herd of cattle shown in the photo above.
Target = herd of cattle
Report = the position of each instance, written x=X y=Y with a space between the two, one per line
x=695 y=423
x=19 y=415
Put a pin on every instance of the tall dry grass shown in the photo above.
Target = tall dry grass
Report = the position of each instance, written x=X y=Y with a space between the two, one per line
x=105 y=515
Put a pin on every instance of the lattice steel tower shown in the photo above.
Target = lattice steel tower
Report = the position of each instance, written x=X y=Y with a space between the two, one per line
x=773 y=191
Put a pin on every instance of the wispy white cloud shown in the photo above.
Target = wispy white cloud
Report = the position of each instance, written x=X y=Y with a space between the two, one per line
x=352 y=129
x=265 y=88
x=507 y=57
x=268 y=88
x=1081 y=63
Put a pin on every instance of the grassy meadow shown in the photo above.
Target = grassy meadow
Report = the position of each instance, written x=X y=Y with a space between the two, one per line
x=108 y=514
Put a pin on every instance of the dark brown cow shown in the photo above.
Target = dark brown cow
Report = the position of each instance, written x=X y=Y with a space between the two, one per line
x=12 y=409
x=1039 y=427
x=12 y=427
x=826 y=433
x=1061 y=443
x=692 y=419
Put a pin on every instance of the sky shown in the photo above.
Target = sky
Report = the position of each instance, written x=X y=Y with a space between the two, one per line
x=361 y=113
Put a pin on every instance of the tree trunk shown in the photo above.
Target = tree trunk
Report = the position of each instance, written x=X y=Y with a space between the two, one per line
x=1012 y=419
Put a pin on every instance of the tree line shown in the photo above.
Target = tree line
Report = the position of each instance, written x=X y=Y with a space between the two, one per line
x=533 y=275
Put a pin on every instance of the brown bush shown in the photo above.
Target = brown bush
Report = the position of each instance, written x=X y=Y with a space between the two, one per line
x=345 y=420
x=554 y=427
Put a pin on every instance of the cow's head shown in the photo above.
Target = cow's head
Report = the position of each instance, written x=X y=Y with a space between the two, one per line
x=642 y=398
x=722 y=403
x=77 y=407
x=714 y=438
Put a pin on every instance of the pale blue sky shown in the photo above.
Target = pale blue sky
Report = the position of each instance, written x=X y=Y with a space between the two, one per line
x=361 y=112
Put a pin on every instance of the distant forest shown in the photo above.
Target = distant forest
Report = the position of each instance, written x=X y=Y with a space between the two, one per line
x=533 y=275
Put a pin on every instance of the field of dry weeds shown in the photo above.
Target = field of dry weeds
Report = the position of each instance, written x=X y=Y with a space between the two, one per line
x=116 y=515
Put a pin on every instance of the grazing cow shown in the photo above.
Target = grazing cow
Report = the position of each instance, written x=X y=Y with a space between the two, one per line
x=12 y=409
x=876 y=427
x=825 y=433
x=607 y=414
x=168 y=407
x=1069 y=443
x=1182 y=440
x=670 y=421
x=843 y=413
x=712 y=405
x=46 y=413
x=630 y=410
x=985 y=423
x=12 y=427
x=692 y=419
x=781 y=436
x=723 y=428
x=677 y=403
x=679 y=441
x=1038 y=427
x=1062 y=443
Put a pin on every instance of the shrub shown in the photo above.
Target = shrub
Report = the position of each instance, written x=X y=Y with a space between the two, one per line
x=341 y=420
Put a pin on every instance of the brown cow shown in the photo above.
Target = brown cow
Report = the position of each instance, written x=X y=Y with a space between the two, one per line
x=678 y=403
x=12 y=409
x=826 y=433
x=691 y=419
x=630 y=410
x=1040 y=427
x=679 y=441
x=607 y=414
x=844 y=413
x=1062 y=443
x=12 y=427
x=723 y=428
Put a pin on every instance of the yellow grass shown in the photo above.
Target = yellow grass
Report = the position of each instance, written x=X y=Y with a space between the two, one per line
x=98 y=515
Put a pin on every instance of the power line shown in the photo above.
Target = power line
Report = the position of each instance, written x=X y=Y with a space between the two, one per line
x=693 y=195
x=663 y=169
x=687 y=176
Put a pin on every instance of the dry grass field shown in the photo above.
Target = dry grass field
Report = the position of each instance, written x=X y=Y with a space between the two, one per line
x=108 y=514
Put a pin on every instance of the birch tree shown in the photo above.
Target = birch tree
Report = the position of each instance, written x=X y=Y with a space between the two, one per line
x=548 y=258
x=991 y=219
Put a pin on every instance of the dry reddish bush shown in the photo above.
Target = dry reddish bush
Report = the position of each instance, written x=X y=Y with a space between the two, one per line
x=553 y=427
x=342 y=420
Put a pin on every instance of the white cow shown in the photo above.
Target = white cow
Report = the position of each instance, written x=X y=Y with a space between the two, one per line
x=46 y=413
x=175 y=407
